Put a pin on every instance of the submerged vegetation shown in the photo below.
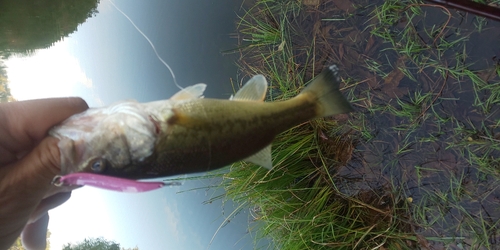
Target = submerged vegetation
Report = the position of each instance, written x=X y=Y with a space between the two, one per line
x=416 y=166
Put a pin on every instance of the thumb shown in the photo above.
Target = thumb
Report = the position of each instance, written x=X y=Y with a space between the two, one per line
x=23 y=185
x=42 y=163
x=37 y=169
x=30 y=178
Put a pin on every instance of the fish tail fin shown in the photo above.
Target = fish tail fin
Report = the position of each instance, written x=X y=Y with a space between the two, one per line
x=325 y=87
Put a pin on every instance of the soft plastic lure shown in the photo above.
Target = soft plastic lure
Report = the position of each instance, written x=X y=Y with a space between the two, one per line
x=109 y=182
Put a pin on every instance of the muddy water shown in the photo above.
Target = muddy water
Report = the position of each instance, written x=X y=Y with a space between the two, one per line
x=426 y=157
x=426 y=136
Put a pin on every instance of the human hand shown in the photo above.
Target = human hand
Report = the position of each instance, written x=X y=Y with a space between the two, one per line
x=29 y=160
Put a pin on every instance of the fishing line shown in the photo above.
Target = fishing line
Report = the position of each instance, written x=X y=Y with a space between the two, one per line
x=150 y=43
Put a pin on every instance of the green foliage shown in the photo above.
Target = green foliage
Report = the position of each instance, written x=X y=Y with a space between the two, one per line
x=27 y=25
x=5 y=95
x=96 y=244
x=416 y=166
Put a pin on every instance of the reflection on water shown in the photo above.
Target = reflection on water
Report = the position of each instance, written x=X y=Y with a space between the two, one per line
x=425 y=137
x=423 y=146
x=117 y=63
x=26 y=26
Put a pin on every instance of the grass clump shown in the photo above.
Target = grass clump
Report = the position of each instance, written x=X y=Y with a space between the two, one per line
x=303 y=208
x=416 y=166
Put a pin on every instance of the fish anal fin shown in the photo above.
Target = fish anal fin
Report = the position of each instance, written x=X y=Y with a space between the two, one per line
x=191 y=92
x=262 y=158
x=254 y=90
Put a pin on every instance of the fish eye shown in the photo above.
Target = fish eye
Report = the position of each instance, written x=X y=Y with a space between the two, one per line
x=98 y=165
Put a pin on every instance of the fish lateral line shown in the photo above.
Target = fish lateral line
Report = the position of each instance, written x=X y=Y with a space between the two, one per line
x=188 y=133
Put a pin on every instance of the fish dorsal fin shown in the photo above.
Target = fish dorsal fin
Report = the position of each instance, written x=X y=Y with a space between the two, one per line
x=191 y=92
x=254 y=90
x=262 y=158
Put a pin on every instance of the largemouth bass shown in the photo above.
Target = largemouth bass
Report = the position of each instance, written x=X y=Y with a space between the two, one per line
x=188 y=133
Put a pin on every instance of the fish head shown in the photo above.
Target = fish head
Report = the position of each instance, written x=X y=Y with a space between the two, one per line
x=113 y=140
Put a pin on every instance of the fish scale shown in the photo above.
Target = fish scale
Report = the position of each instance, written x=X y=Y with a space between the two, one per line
x=187 y=133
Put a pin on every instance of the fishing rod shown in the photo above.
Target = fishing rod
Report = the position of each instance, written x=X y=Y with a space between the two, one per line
x=471 y=7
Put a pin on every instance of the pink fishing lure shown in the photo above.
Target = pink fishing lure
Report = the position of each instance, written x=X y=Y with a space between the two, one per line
x=108 y=182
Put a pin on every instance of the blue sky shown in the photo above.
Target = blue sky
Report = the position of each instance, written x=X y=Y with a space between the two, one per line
x=107 y=60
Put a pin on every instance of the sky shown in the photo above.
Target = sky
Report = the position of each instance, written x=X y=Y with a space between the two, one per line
x=107 y=60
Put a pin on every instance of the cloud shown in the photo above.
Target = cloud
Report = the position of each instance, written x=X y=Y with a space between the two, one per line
x=173 y=221
x=52 y=72
x=179 y=227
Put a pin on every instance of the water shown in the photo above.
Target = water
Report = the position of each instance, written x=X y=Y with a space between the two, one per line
x=422 y=144
x=114 y=63
x=424 y=138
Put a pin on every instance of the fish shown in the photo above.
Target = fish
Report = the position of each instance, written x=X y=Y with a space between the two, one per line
x=188 y=133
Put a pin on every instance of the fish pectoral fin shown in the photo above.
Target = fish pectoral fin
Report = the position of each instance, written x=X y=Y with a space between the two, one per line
x=191 y=92
x=254 y=90
x=262 y=158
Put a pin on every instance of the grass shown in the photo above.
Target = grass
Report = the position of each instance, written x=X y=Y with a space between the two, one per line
x=416 y=166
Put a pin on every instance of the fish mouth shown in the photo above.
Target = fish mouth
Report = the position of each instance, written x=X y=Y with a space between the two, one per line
x=122 y=134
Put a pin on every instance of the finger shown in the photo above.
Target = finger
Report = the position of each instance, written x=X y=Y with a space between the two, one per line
x=26 y=122
x=47 y=204
x=34 y=236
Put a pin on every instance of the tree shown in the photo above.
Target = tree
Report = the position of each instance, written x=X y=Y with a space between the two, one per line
x=27 y=25
x=93 y=244
x=5 y=95
x=96 y=244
